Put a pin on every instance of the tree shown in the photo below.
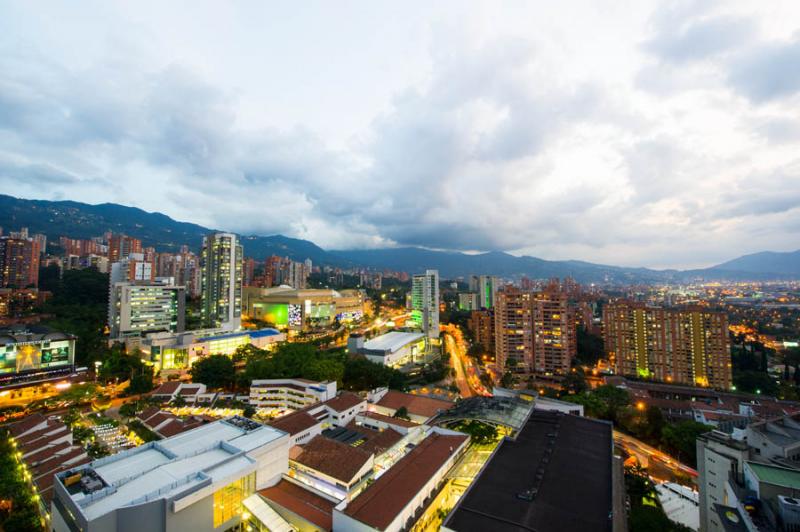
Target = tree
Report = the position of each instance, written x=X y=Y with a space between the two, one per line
x=141 y=383
x=215 y=371
x=612 y=399
x=249 y=411
x=480 y=433
x=402 y=413
x=476 y=350
x=507 y=380
x=681 y=439
x=590 y=347
x=575 y=382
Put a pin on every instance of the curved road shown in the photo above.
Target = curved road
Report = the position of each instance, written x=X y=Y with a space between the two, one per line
x=644 y=453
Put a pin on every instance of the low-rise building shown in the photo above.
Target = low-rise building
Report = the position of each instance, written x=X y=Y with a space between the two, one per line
x=286 y=308
x=180 y=350
x=419 y=408
x=395 y=349
x=290 y=394
x=395 y=500
x=196 y=480
x=556 y=474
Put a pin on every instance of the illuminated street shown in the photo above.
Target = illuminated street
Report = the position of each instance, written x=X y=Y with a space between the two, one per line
x=648 y=456
x=466 y=376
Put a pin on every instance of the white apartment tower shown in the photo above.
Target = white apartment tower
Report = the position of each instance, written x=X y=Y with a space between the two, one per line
x=425 y=302
x=221 y=266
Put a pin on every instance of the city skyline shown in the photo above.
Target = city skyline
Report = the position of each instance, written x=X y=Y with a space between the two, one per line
x=457 y=126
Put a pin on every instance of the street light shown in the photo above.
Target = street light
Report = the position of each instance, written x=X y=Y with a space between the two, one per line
x=97 y=365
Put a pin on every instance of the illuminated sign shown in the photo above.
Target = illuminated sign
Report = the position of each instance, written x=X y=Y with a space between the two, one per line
x=16 y=358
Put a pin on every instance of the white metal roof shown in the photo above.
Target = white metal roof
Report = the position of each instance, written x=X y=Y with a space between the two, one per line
x=392 y=341
x=174 y=465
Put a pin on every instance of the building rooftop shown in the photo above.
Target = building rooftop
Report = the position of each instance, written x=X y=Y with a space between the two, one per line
x=175 y=466
x=779 y=476
x=418 y=405
x=392 y=341
x=310 y=506
x=260 y=333
x=295 y=422
x=335 y=459
x=556 y=475
x=344 y=401
x=381 y=502
x=390 y=420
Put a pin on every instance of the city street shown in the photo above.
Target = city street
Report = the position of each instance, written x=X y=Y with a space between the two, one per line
x=466 y=377
x=645 y=454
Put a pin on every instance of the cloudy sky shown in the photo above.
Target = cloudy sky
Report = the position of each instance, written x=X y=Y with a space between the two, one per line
x=632 y=133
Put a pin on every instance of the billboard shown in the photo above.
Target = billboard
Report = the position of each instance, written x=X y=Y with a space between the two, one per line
x=274 y=313
x=27 y=356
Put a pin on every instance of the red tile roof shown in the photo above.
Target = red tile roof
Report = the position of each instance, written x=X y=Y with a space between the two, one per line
x=378 y=442
x=332 y=458
x=390 y=420
x=310 y=506
x=168 y=388
x=189 y=390
x=25 y=424
x=344 y=401
x=380 y=503
x=46 y=453
x=418 y=405
x=294 y=423
x=148 y=413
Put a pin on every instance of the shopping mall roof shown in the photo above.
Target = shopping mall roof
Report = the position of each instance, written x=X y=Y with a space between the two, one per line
x=556 y=475
x=392 y=341
x=176 y=465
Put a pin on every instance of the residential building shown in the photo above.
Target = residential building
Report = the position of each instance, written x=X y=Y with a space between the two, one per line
x=682 y=345
x=221 y=266
x=481 y=325
x=513 y=326
x=425 y=302
x=485 y=288
x=395 y=349
x=750 y=473
x=19 y=262
x=555 y=341
x=558 y=473
x=468 y=301
x=290 y=394
x=136 y=309
x=196 y=480
x=121 y=246
x=132 y=268
x=15 y=302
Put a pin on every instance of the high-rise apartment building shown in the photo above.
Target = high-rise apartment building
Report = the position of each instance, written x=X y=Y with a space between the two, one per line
x=554 y=336
x=425 y=302
x=513 y=326
x=468 y=301
x=485 y=287
x=136 y=309
x=19 y=262
x=682 y=345
x=120 y=246
x=221 y=266
x=249 y=271
x=481 y=325
x=132 y=268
